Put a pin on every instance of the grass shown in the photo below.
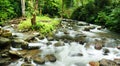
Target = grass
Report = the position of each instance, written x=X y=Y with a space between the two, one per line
x=44 y=24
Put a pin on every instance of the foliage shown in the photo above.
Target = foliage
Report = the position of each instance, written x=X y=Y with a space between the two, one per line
x=5 y=10
x=51 y=8
x=101 y=12
x=9 y=9
x=42 y=25
x=114 y=21
x=85 y=13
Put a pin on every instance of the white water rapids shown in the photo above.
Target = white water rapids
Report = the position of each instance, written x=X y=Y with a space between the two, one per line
x=65 y=58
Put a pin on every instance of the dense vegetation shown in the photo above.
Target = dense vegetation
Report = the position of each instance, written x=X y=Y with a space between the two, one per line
x=101 y=12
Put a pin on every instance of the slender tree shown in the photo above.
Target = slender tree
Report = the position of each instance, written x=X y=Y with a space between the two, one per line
x=23 y=7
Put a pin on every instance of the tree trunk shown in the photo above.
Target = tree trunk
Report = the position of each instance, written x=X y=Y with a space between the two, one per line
x=62 y=9
x=36 y=6
x=33 y=20
x=23 y=7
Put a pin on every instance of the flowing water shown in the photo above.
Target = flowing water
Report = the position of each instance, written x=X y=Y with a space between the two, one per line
x=73 y=53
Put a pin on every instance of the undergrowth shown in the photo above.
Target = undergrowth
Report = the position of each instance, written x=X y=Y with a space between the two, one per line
x=44 y=24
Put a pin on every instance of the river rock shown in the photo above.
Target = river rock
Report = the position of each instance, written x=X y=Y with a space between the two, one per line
x=4 y=61
x=118 y=47
x=65 y=31
x=4 y=42
x=17 y=43
x=92 y=63
x=59 y=43
x=82 y=24
x=98 y=44
x=6 y=33
x=99 y=27
x=105 y=62
x=31 y=37
x=27 y=64
x=86 y=29
x=117 y=60
x=19 y=53
x=38 y=60
x=1 y=31
x=50 y=58
x=81 y=38
x=4 y=53
x=27 y=59
x=78 y=54
x=50 y=38
x=106 y=51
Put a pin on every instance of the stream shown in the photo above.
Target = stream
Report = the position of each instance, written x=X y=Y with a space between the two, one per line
x=74 y=43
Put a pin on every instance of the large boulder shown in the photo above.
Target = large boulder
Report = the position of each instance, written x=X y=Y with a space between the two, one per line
x=106 y=62
x=4 y=42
